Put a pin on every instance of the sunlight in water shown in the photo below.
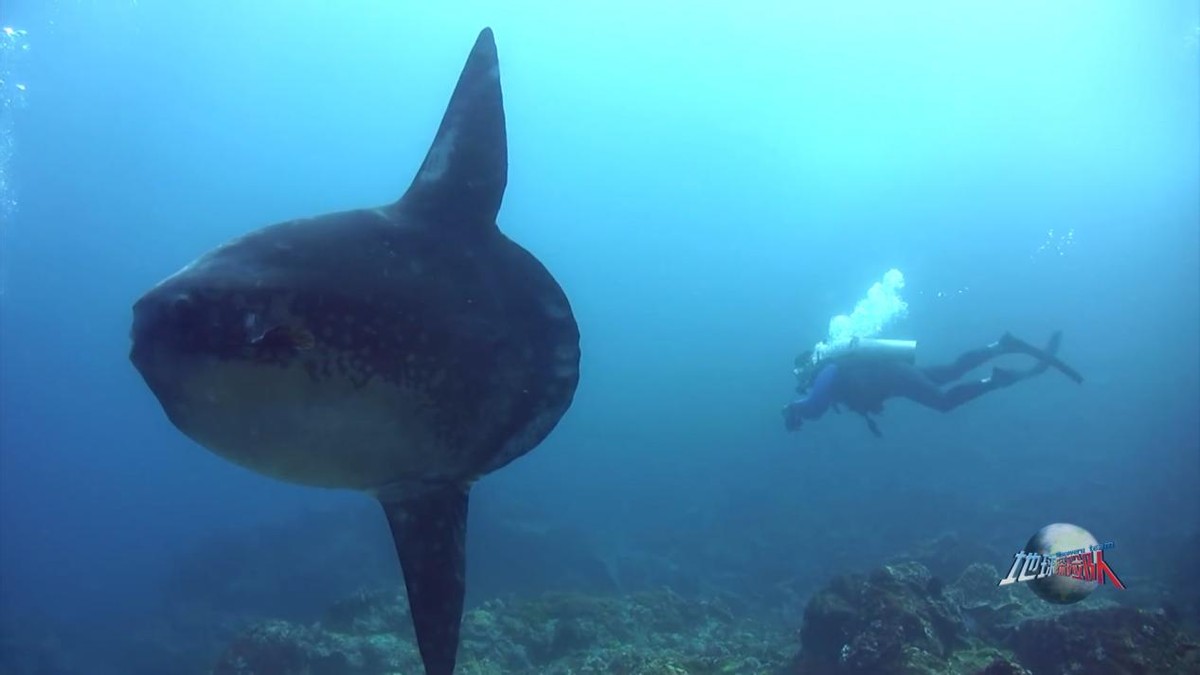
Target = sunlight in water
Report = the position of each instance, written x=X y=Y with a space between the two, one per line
x=13 y=46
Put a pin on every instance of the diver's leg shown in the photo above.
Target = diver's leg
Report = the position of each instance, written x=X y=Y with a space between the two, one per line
x=969 y=391
x=1004 y=377
x=1007 y=344
x=915 y=385
x=966 y=362
x=921 y=385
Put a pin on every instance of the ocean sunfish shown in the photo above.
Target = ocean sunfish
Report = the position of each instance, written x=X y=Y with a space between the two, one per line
x=404 y=351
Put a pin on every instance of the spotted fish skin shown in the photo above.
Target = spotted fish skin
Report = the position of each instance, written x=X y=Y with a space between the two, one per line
x=404 y=350
x=488 y=362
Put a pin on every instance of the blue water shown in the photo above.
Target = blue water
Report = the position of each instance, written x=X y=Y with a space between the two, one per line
x=708 y=184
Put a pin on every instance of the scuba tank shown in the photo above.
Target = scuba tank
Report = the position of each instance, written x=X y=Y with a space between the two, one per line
x=854 y=350
x=868 y=349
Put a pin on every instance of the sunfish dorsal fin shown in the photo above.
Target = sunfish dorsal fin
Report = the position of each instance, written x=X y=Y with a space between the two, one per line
x=461 y=182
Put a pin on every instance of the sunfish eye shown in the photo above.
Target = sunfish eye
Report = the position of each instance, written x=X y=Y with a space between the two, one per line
x=181 y=303
x=253 y=325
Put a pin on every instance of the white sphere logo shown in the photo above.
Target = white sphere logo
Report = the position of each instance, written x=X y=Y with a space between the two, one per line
x=1053 y=539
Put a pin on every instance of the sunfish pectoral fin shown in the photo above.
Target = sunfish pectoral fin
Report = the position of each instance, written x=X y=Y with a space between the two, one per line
x=461 y=182
x=430 y=531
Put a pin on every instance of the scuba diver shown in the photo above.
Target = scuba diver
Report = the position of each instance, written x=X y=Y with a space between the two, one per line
x=862 y=373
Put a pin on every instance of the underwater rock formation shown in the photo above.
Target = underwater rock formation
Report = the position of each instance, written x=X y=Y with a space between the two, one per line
x=1114 y=640
x=993 y=611
x=900 y=619
x=949 y=553
x=654 y=633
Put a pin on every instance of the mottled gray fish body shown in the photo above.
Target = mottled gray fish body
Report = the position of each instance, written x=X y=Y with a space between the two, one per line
x=404 y=350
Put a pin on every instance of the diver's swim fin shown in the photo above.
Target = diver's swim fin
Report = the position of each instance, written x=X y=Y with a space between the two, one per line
x=1051 y=348
x=1047 y=357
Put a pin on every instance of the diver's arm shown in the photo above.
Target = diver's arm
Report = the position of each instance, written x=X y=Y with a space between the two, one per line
x=819 y=398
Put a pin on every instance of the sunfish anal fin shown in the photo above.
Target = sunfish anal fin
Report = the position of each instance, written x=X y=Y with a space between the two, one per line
x=430 y=533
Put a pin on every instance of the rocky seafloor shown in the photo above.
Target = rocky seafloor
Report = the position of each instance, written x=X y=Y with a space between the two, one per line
x=561 y=608
x=897 y=619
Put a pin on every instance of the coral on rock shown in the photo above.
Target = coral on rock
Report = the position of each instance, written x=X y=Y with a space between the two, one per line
x=1114 y=640
x=899 y=619
x=653 y=633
